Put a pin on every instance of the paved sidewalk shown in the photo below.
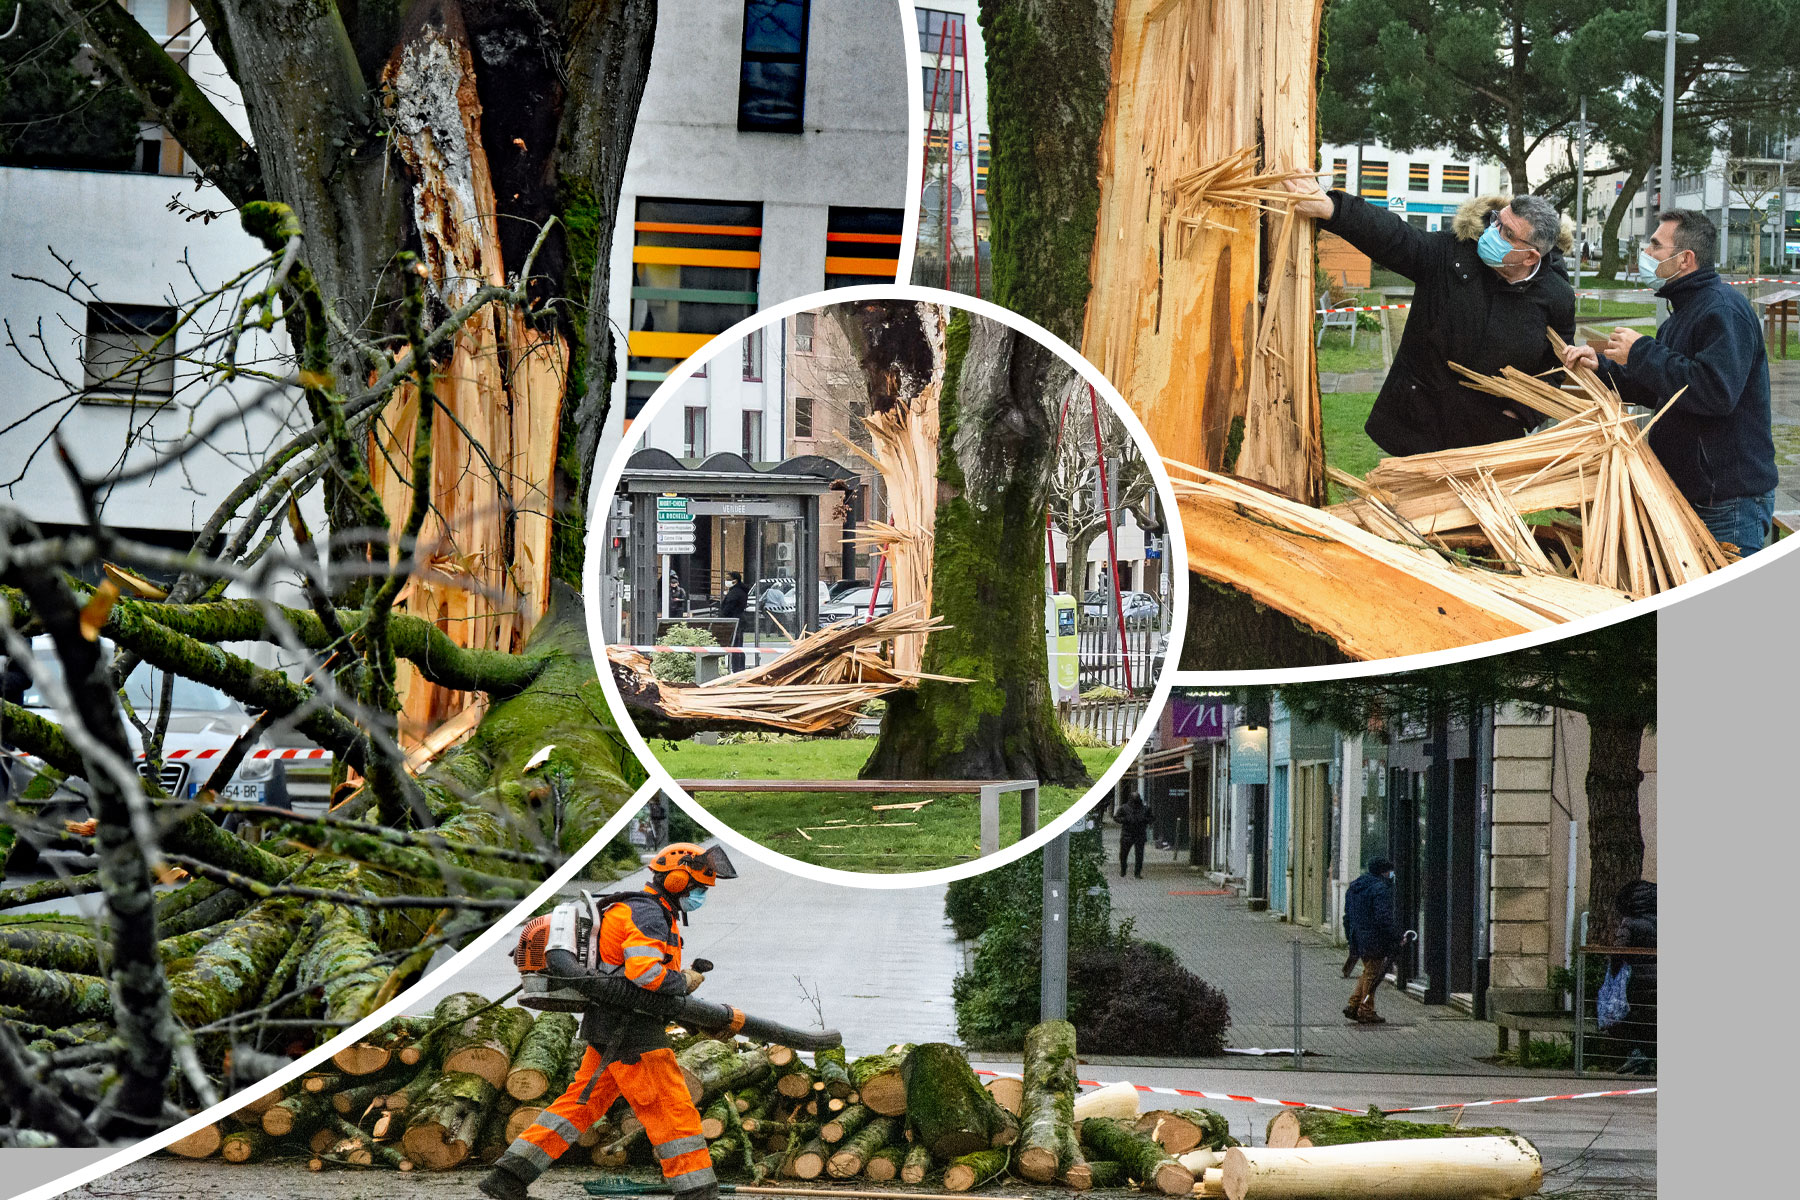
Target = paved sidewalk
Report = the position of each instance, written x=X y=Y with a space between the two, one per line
x=1249 y=956
x=1784 y=394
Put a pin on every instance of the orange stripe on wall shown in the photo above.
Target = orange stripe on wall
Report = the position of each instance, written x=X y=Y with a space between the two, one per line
x=891 y=239
x=677 y=227
x=886 y=268
x=688 y=256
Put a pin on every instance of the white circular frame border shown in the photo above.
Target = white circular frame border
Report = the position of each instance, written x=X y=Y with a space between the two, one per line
x=1176 y=551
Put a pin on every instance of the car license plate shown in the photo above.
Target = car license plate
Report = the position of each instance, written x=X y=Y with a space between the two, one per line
x=244 y=793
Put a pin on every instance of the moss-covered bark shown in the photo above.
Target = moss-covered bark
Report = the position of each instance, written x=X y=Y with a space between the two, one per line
x=1047 y=1145
x=997 y=433
x=947 y=1109
x=1228 y=631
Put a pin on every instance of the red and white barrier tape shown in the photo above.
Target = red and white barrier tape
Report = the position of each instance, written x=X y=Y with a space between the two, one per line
x=1195 y=1093
x=1369 y=308
x=282 y=754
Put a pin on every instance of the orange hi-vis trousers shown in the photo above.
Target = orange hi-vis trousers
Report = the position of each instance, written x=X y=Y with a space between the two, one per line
x=657 y=1093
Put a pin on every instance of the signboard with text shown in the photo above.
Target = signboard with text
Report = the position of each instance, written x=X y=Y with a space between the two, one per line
x=1201 y=718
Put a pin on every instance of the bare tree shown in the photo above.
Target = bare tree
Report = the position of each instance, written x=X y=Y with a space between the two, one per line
x=1074 y=499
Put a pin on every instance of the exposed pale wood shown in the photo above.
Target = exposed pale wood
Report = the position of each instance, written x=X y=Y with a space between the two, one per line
x=202 y=1143
x=1006 y=1092
x=1434 y=1169
x=1114 y=1100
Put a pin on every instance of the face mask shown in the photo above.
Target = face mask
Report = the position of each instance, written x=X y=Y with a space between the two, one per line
x=1493 y=246
x=692 y=899
x=1650 y=266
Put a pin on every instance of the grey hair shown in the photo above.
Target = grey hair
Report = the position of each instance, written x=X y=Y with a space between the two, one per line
x=1693 y=231
x=1542 y=217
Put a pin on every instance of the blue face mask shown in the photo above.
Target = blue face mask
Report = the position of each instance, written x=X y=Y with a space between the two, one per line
x=692 y=899
x=1650 y=266
x=1493 y=246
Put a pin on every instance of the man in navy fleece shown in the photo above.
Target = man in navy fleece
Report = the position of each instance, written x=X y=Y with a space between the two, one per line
x=1715 y=442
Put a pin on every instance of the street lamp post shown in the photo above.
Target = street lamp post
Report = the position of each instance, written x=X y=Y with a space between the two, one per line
x=1668 y=37
x=1582 y=127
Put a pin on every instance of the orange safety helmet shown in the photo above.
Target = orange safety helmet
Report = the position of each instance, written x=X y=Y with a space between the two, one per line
x=681 y=865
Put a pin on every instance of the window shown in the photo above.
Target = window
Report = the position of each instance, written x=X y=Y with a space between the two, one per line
x=1418 y=177
x=693 y=433
x=753 y=356
x=1340 y=173
x=1456 y=178
x=1416 y=220
x=772 y=82
x=862 y=245
x=1373 y=182
x=803 y=416
x=127 y=351
x=943 y=90
x=939 y=31
x=804 y=324
x=982 y=155
x=753 y=439
x=693 y=275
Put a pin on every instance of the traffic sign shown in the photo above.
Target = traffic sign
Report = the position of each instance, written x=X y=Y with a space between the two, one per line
x=675 y=527
x=674 y=549
x=672 y=508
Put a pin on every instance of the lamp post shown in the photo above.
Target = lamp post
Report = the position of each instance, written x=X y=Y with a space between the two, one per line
x=1582 y=128
x=1666 y=171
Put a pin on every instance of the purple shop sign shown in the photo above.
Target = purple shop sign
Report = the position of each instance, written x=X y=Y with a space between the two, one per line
x=1199 y=718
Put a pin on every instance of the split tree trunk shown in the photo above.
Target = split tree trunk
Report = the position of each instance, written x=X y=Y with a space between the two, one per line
x=1466 y=1168
x=997 y=416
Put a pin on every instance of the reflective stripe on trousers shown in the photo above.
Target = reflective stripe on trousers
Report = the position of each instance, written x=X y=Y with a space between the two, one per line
x=658 y=1095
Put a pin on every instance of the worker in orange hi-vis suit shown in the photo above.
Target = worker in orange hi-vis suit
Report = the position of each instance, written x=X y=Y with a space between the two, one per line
x=599 y=945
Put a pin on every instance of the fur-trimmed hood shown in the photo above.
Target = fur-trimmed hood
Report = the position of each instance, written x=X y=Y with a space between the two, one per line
x=1471 y=219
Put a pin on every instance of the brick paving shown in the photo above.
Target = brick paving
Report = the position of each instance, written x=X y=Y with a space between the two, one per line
x=1249 y=956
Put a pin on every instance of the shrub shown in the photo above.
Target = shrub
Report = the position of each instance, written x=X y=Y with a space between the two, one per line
x=678 y=666
x=1082 y=739
x=1134 y=997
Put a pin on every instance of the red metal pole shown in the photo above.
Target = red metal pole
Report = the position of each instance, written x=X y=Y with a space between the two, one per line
x=1050 y=550
x=1112 y=545
x=875 y=591
x=962 y=39
x=931 y=127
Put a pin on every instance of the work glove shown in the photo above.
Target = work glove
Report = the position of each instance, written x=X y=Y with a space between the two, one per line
x=694 y=979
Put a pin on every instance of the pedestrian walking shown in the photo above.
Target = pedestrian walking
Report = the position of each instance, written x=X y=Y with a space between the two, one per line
x=1374 y=935
x=733 y=603
x=658 y=812
x=1134 y=825
x=1636 y=906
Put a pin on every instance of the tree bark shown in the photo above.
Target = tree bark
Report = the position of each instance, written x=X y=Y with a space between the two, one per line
x=1615 y=825
x=1615 y=216
x=972 y=1170
x=879 y=1083
x=1117 y=1141
x=1181 y=1130
x=1228 y=631
x=542 y=1055
x=948 y=1110
x=1047 y=1143
x=848 y=1160
x=997 y=421
x=1301 y=1127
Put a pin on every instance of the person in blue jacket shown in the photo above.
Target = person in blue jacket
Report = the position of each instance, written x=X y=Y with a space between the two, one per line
x=1374 y=935
x=1707 y=365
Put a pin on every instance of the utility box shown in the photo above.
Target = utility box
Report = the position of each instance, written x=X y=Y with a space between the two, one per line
x=1062 y=646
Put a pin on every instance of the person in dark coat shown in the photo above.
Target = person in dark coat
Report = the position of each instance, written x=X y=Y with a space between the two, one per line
x=1716 y=440
x=733 y=603
x=1134 y=823
x=1636 y=909
x=1485 y=291
x=1374 y=935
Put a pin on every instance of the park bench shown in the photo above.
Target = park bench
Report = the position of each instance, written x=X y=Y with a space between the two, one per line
x=1528 y=1010
x=990 y=791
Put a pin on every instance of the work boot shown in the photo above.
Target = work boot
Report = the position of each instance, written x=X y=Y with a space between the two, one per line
x=1370 y=1018
x=501 y=1184
x=1350 y=1012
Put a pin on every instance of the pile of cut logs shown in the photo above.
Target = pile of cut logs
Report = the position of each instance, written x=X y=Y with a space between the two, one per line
x=456 y=1087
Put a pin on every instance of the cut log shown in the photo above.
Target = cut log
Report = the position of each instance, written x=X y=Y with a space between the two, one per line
x=443 y=1124
x=1144 y=1160
x=737 y=1070
x=1484 y=1168
x=973 y=1170
x=245 y=1145
x=808 y=1161
x=780 y=1056
x=320 y=1081
x=1047 y=1145
x=202 y=1143
x=796 y=1081
x=297 y=1116
x=878 y=1082
x=946 y=1106
x=1006 y=1093
x=853 y=1154
x=492 y=1141
x=884 y=1164
x=384 y=1047
x=833 y=1069
x=263 y=1103
x=484 y=1044
x=713 y=1122
x=1118 y=1100
x=917 y=1164
x=845 y=1123
x=631 y=1143
x=521 y=1120
x=1100 y=1174
x=1181 y=1130
x=1201 y=1160
x=1315 y=1127
x=356 y=1099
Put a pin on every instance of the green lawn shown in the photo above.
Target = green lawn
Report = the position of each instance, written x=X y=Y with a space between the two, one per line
x=1347 y=447
x=814 y=827
x=1610 y=309
x=1338 y=357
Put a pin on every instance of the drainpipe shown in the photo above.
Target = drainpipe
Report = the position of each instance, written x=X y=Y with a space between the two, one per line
x=1484 y=853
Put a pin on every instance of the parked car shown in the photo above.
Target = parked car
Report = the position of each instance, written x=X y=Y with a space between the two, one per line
x=844 y=585
x=201 y=718
x=1142 y=610
x=853 y=605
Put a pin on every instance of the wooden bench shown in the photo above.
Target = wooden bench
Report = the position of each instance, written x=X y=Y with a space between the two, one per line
x=1528 y=1010
x=990 y=791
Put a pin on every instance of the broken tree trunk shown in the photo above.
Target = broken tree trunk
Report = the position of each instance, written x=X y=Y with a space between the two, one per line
x=1144 y=1160
x=1047 y=1144
x=948 y=1110
x=1460 y=1168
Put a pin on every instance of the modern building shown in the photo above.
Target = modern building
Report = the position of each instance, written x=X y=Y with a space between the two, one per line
x=953 y=212
x=769 y=162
